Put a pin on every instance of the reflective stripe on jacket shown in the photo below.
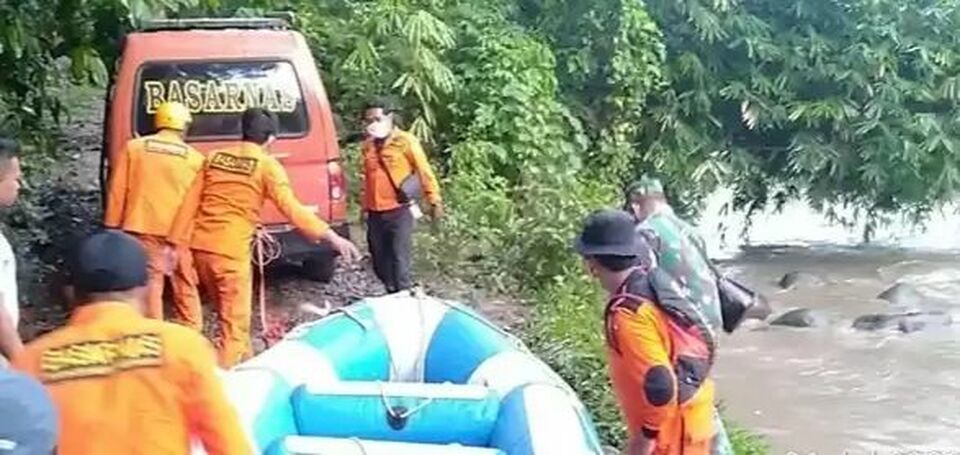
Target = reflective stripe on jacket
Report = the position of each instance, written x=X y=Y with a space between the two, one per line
x=222 y=209
x=124 y=383
x=148 y=183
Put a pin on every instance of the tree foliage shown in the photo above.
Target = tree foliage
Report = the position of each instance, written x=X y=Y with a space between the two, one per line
x=538 y=111
x=47 y=44
x=849 y=102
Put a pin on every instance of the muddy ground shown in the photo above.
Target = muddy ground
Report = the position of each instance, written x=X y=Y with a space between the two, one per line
x=65 y=203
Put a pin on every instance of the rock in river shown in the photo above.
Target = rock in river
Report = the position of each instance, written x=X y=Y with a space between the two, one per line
x=904 y=322
x=800 y=317
x=799 y=279
x=902 y=294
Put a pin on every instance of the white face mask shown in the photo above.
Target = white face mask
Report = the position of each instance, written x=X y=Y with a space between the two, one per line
x=379 y=130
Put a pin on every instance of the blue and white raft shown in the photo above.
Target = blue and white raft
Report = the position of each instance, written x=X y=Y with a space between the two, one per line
x=406 y=374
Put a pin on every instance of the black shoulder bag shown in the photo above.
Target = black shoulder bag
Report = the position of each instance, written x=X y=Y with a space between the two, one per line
x=409 y=189
x=737 y=301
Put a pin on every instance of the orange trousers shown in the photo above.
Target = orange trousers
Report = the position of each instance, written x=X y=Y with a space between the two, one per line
x=229 y=282
x=186 y=300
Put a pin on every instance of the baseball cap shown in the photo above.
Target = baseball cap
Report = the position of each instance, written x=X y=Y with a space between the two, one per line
x=108 y=261
x=610 y=233
x=645 y=186
x=28 y=414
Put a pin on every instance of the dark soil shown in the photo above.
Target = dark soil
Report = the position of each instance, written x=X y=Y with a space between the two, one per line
x=60 y=207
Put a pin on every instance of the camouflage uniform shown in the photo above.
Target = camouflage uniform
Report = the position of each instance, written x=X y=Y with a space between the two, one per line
x=681 y=252
x=678 y=250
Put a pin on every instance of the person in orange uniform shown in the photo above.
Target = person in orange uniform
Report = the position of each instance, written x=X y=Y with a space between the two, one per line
x=122 y=382
x=147 y=186
x=658 y=361
x=395 y=173
x=219 y=219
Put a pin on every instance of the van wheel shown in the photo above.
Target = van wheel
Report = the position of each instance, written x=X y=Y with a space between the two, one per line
x=320 y=268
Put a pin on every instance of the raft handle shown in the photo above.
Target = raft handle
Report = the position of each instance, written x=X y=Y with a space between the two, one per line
x=397 y=415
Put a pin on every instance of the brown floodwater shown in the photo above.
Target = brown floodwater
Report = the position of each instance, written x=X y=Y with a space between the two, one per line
x=832 y=389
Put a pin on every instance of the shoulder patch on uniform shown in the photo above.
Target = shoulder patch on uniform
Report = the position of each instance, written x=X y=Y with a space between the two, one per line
x=232 y=163
x=658 y=385
x=100 y=358
x=166 y=148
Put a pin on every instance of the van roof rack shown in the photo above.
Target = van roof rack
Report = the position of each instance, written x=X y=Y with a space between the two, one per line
x=282 y=23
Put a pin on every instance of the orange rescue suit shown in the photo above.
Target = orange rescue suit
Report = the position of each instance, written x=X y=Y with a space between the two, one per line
x=642 y=352
x=402 y=155
x=124 y=383
x=218 y=222
x=149 y=182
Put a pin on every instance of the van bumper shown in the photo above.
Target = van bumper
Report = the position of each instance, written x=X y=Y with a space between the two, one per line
x=296 y=248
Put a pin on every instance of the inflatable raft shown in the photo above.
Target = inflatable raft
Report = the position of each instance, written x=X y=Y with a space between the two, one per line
x=406 y=374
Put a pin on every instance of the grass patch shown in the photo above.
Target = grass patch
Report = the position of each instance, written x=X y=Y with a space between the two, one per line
x=744 y=441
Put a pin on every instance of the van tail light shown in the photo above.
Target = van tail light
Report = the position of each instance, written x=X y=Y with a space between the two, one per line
x=338 y=183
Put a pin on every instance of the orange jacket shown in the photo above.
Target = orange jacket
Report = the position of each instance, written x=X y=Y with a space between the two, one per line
x=402 y=155
x=127 y=384
x=148 y=183
x=641 y=353
x=222 y=208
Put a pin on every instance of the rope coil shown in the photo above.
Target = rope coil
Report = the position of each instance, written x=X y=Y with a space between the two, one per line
x=267 y=249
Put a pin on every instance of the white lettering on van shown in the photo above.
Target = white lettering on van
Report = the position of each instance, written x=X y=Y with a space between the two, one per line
x=234 y=101
x=194 y=95
x=154 y=91
x=219 y=97
x=211 y=99
x=174 y=93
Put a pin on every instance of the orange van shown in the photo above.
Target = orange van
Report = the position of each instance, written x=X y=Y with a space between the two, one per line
x=218 y=68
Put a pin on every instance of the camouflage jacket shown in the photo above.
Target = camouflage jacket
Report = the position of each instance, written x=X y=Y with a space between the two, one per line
x=679 y=251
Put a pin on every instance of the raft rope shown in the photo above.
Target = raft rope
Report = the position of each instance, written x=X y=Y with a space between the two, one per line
x=401 y=415
x=418 y=366
x=355 y=440
x=348 y=313
x=268 y=249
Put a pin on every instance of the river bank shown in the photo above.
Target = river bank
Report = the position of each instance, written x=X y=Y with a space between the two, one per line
x=560 y=322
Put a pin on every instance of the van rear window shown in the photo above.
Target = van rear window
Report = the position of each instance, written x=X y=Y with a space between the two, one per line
x=217 y=93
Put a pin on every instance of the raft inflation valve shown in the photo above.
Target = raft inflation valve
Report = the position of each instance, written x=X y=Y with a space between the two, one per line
x=397 y=417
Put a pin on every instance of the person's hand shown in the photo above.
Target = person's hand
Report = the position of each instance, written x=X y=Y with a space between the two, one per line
x=639 y=445
x=436 y=211
x=169 y=259
x=348 y=251
x=10 y=343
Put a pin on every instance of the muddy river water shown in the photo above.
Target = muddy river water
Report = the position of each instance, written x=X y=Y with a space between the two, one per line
x=831 y=389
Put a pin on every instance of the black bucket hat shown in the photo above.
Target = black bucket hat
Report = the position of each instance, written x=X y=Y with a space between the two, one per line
x=107 y=261
x=609 y=233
